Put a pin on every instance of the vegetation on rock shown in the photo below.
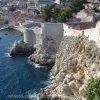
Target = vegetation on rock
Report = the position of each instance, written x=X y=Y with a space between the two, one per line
x=77 y=60
x=93 y=89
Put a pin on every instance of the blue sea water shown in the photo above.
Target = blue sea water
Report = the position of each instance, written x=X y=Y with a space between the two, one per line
x=18 y=79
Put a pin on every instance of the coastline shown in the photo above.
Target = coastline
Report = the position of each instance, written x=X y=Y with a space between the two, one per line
x=19 y=76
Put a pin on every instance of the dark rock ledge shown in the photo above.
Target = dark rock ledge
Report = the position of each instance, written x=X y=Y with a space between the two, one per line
x=44 y=55
x=42 y=60
x=21 y=48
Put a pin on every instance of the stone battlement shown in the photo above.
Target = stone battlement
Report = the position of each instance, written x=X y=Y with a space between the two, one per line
x=57 y=31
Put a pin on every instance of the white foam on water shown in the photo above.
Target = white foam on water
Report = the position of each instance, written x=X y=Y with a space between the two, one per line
x=7 y=55
x=32 y=95
x=51 y=76
x=35 y=65
x=38 y=66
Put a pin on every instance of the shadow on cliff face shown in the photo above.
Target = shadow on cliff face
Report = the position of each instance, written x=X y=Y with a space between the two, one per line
x=21 y=48
x=46 y=54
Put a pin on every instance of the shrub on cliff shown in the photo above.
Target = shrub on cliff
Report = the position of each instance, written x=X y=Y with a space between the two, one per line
x=93 y=89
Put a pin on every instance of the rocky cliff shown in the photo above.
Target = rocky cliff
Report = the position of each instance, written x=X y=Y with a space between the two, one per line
x=43 y=53
x=20 y=47
x=46 y=53
x=76 y=62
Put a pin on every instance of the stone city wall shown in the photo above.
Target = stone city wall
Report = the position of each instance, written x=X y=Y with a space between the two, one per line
x=56 y=31
x=92 y=34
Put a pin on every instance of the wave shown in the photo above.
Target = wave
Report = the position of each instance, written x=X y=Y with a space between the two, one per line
x=32 y=95
x=7 y=55
x=38 y=66
x=34 y=64
x=51 y=77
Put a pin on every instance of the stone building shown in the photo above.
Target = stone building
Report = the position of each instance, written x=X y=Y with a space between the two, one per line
x=37 y=4
x=86 y=15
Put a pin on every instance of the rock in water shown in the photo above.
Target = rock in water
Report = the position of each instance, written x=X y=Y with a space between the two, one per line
x=20 y=47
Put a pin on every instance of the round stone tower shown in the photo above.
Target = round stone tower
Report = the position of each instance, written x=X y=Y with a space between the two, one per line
x=29 y=37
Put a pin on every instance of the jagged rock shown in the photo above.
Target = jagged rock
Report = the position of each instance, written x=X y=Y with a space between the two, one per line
x=68 y=78
x=93 y=67
x=82 y=90
x=42 y=59
x=46 y=54
x=77 y=60
x=20 y=47
x=60 y=77
x=64 y=89
x=74 y=88
x=97 y=74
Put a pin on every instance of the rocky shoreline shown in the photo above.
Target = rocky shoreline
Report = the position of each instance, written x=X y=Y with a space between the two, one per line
x=44 y=55
x=77 y=61
x=42 y=60
x=21 y=48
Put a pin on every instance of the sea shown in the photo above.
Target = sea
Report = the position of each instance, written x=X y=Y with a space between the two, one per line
x=18 y=79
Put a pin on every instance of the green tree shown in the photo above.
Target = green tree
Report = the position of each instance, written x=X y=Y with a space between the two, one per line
x=93 y=89
x=46 y=12
x=66 y=13
x=77 y=5
x=63 y=15
x=55 y=14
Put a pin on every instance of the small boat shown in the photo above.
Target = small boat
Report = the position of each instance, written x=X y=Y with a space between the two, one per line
x=0 y=38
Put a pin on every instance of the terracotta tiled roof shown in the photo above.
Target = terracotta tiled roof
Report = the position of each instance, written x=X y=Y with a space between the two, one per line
x=36 y=17
x=82 y=25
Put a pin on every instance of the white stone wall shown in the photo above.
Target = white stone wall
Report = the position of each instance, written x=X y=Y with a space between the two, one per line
x=53 y=30
x=85 y=17
x=92 y=34
x=38 y=36
x=70 y=32
x=29 y=37
x=56 y=31
x=81 y=14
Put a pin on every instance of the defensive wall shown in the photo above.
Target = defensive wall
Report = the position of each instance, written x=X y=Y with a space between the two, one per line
x=56 y=31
